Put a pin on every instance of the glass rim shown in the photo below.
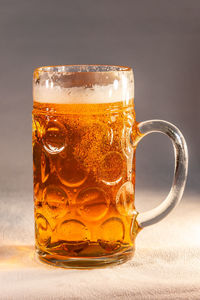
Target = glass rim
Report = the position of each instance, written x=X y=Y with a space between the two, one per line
x=82 y=68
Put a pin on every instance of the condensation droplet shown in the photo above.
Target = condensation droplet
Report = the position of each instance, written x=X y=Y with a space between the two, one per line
x=92 y=203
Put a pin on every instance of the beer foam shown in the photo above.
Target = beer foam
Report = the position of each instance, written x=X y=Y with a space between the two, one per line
x=83 y=95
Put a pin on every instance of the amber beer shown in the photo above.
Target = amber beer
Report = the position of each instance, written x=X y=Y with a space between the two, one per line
x=83 y=179
x=84 y=141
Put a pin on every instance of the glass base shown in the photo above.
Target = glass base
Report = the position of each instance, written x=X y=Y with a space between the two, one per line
x=86 y=262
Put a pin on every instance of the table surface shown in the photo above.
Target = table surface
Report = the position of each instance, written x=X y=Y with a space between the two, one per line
x=166 y=264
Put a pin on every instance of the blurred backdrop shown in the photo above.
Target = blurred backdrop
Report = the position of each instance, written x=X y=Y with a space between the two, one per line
x=159 y=39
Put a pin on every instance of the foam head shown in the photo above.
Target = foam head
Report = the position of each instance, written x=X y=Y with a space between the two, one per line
x=83 y=84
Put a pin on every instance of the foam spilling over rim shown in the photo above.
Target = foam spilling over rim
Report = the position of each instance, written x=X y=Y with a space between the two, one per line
x=79 y=95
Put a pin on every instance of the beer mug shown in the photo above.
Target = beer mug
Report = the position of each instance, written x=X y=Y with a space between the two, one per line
x=84 y=140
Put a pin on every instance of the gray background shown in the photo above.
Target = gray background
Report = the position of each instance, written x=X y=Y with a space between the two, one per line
x=159 y=39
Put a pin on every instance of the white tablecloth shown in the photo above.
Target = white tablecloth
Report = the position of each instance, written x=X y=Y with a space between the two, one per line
x=166 y=264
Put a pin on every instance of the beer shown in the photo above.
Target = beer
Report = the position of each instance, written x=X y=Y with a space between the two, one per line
x=84 y=141
x=84 y=179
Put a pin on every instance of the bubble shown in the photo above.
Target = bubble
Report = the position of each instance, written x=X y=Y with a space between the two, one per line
x=125 y=199
x=45 y=167
x=42 y=230
x=95 y=140
x=92 y=203
x=55 y=137
x=70 y=172
x=100 y=135
x=112 y=233
x=56 y=201
x=107 y=138
x=73 y=231
x=111 y=168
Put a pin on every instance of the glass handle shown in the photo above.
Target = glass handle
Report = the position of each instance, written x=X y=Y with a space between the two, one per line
x=180 y=171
